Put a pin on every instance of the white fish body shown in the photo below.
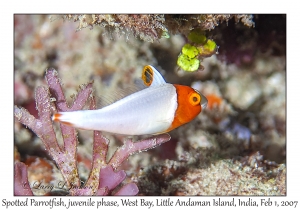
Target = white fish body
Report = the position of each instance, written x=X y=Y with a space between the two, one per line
x=148 y=111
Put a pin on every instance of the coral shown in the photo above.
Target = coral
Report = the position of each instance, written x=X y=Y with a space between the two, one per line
x=146 y=27
x=185 y=23
x=206 y=172
x=103 y=179
x=151 y=27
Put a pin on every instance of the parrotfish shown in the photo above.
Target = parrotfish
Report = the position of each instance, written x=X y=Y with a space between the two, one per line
x=158 y=108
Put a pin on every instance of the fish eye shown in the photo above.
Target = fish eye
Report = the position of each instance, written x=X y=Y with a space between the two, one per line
x=194 y=99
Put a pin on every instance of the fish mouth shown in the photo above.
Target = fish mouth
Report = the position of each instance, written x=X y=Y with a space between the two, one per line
x=203 y=101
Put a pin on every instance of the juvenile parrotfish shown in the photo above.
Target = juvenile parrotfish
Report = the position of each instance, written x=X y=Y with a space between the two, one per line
x=158 y=108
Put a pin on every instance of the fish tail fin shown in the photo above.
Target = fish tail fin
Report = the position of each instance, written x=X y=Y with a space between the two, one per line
x=56 y=117
x=63 y=117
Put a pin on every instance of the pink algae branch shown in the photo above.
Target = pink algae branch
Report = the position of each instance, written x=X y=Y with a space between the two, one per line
x=130 y=148
x=65 y=157
x=21 y=180
x=103 y=177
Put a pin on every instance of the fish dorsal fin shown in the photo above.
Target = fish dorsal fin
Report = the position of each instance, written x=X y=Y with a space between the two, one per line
x=151 y=77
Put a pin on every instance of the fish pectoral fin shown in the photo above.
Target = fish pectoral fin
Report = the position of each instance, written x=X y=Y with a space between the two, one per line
x=118 y=94
x=160 y=133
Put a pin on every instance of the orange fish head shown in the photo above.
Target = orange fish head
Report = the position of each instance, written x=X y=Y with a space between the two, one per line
x=190 y=103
